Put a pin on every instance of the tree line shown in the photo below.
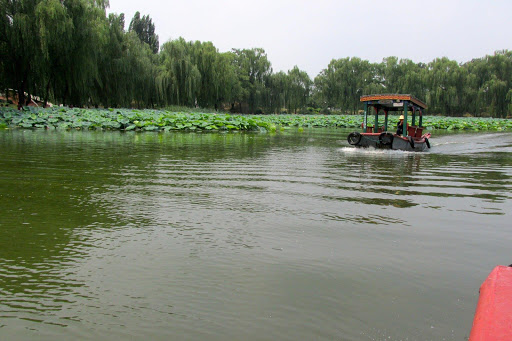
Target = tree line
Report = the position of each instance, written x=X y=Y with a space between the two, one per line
x=482 y=86
x=72 y=52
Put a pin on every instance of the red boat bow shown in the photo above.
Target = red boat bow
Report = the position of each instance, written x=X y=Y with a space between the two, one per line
x=493 y=316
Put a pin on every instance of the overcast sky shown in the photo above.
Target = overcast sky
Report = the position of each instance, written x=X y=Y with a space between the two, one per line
x=310 y=34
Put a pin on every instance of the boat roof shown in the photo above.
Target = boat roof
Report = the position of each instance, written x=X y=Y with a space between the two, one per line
x=387 y=100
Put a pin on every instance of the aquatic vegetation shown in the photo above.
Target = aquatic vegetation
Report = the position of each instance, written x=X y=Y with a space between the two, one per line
x=164 y=120
x=128 y=119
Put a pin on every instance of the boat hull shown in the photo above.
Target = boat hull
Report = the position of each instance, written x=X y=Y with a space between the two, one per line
x=493 y=316
x=388 y=140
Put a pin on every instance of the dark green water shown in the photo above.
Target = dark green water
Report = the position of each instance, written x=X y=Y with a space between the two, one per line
x=292 y=236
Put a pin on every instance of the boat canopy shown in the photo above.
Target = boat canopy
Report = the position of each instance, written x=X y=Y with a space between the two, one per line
x=392 y=102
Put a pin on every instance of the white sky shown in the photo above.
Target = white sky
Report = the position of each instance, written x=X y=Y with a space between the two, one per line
x=310 y=34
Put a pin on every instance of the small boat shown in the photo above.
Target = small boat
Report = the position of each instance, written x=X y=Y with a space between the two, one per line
x=412 y=137
x=493 y=316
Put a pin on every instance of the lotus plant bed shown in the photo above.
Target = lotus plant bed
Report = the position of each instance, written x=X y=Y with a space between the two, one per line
x=159 y=120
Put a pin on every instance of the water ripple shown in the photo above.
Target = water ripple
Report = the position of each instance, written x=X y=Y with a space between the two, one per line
x=235 y=236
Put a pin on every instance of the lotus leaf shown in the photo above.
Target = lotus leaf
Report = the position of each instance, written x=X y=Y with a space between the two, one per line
x=130 y=119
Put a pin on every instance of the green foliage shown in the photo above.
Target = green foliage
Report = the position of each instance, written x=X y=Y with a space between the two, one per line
x=72 y=53
x=344 y=81
x=253 y=70
x=299 y=89
x=178 y=78
x=160 y=120
x=145 y=30
x=481 y=86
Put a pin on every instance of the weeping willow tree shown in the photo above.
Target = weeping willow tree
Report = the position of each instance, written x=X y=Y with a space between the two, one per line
x=481 y=86
x=178 y=79
x=253 y=69
x=445 y=81
x=86 y=46
x=51 y=47
x=127 y=69
x=494 y=82
x=19 y=45
x=345 y=80
x=277 y=94
x=55 y=28
x=204 y=57
x=229 y=86
x=71 y=52
x=145 y=31
x=111 y=87
x=299 y=89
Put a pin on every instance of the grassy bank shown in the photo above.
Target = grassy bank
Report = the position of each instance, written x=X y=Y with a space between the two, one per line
x=165 y=120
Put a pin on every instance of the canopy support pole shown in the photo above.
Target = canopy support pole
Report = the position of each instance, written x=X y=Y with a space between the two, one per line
x=365 y=120
x=405 y=118
x=376 y=126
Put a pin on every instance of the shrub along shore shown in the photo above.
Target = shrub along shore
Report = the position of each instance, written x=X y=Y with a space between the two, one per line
x=160 y=120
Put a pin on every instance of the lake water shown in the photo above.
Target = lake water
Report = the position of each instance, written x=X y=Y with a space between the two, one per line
x=287 y=236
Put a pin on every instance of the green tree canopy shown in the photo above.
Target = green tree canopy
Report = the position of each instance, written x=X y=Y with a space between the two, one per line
x=71 y=52
x=145 y=30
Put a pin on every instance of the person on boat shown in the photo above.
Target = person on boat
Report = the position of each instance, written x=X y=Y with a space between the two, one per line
x=400 y=126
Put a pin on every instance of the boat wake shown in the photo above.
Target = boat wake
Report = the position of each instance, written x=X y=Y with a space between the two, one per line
x=373 y=151
x=473 y=143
